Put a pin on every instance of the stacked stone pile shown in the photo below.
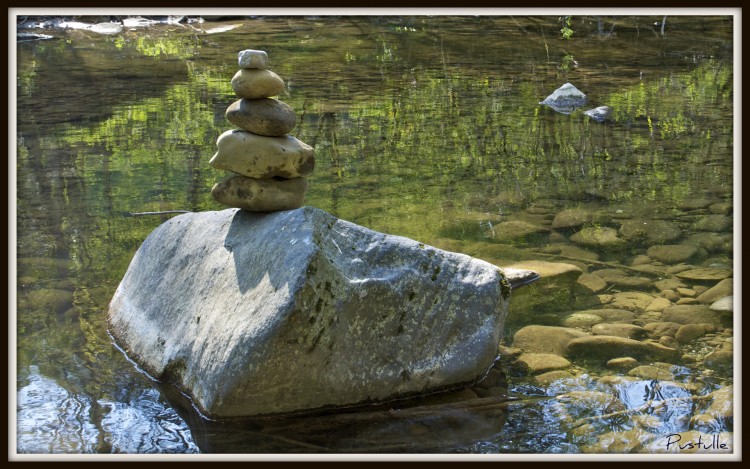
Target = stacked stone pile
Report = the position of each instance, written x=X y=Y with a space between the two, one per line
x=269 y=164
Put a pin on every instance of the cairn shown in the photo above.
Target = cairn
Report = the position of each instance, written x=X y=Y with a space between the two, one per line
x=269 y=165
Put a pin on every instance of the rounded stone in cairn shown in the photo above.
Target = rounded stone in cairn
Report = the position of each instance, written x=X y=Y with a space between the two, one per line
x=266 y=116
x=261 y=195
x=250 y=58
x=256 y=83
x=261 y=157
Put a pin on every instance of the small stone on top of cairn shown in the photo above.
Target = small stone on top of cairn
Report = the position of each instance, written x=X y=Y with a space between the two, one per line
x=250 y=58
x=269 y=164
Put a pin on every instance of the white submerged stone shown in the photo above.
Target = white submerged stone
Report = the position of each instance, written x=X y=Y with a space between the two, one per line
x=250 y=58
x=253 y=314
x=257 y=156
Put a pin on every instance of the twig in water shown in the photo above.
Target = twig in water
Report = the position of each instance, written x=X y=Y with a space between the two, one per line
x=613 y=265
x=165 y=212
x=523 y=30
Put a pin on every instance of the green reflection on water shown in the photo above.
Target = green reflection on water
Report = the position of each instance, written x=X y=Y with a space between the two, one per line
x=423 y=127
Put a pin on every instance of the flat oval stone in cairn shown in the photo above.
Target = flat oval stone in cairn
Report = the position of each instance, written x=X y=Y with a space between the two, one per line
x=261 y=195
x=252 y=58
x=262 y=157
x=256 y=83
x=266 y=116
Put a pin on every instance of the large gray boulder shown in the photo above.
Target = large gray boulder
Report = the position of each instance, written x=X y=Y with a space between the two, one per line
x=256 y=314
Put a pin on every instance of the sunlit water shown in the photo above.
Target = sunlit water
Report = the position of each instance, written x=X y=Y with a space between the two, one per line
x=427 y=127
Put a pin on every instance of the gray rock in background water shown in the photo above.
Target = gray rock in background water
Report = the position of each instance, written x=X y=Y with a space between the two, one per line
x=565 y=99
x=254 y=314
x=599 y=114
